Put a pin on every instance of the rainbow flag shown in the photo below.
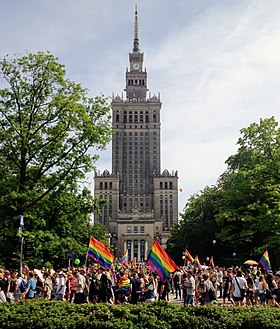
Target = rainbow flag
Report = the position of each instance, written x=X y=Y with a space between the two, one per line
x=133 y=265
x=188 y=256
x=124 y=258
x=124 y=286
x=211 y=263
x=265 y=261
x=162 y=264
x=196 y=263
x=100 y=253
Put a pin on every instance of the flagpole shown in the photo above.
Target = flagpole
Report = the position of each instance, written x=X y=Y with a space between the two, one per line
x=86 y=260
x=21 y=224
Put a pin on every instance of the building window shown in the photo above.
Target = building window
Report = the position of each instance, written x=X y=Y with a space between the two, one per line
x=129 y=229
x=135 y=229
x=142 y=229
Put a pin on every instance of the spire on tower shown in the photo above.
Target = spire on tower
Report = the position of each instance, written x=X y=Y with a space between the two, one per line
x=136 y=40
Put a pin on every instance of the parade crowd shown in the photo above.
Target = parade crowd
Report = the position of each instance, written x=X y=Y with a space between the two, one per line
x=124 y=284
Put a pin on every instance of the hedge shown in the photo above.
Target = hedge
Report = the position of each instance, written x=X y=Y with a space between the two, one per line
x=158 y=315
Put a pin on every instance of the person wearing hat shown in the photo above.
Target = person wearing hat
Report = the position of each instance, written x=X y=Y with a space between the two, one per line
x=61 y=287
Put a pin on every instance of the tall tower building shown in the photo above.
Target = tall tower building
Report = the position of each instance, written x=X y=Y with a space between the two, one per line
x=142 y=201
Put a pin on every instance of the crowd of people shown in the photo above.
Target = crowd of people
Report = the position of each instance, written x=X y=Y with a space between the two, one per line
x=124 y=284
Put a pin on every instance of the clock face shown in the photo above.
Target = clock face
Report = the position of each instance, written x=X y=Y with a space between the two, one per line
x=136 y=66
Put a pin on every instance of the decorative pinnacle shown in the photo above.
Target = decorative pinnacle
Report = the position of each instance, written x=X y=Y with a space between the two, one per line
x=136 y=40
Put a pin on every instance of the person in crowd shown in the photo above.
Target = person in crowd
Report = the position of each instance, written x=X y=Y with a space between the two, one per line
x=93 y=288
x=105 y=286
x=18 y=287
x=71 y=286
x=277 y=290
x=220 y=275
x=136 y=288
x=80 y=284
x=210 y=291
x=2 y=294
x=48 y=286
x=214 y=279
x=200 y=290
x=7 y=285
x=30 y=291
x=190 y=289
x=25 y=269
x=39 y=286
x=251 y=288
x=150 y=288
x=271 y=292
x=177 y=278
x=227 y=286
x=61 y=286
x=239 y=286
x=124 y=288
x=164 y=290
x=262 y=288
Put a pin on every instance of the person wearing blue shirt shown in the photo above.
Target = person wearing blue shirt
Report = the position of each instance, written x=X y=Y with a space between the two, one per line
x=30 y=291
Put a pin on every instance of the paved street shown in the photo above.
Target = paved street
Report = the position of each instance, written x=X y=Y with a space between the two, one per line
x=172 y=299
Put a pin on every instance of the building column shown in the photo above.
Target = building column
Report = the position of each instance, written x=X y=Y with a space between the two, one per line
x=132 y=249
x=139 y=254
x=124 y=246
x=146 y=249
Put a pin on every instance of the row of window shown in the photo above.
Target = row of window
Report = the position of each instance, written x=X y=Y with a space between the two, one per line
x=166 y=185
x=135 y=117
x=136 y=82
x=106 y=185
x=136 y=229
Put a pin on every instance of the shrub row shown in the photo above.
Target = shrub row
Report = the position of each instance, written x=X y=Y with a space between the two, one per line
x=159 y=315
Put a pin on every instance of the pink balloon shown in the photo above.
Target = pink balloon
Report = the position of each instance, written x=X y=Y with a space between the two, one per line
x=214 y=241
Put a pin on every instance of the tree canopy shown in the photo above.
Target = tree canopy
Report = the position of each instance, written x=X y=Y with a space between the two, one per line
x=242 y=211
x=50 y=130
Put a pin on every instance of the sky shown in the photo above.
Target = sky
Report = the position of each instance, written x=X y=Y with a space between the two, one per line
x=216 y=64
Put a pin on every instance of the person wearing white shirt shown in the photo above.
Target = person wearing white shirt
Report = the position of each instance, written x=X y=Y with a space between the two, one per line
x=238 y=284
x=61 y=286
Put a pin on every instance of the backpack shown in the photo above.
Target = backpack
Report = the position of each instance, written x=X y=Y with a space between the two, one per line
x=22 y=286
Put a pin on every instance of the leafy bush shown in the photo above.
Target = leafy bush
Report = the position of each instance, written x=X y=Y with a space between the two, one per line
x=159 y=315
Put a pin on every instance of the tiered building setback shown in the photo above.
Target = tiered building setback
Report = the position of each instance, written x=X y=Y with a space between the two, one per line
x=142 y=200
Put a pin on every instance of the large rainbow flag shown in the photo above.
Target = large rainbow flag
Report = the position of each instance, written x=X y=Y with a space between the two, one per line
x=265 y=261
x=160 y=262
x=124 y=258
x=100 y=253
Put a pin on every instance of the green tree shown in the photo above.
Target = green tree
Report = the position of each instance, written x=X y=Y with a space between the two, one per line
x=197 y=228
x=242 y=212
x=249 y=216
x=101 y=233
x=49 y=133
